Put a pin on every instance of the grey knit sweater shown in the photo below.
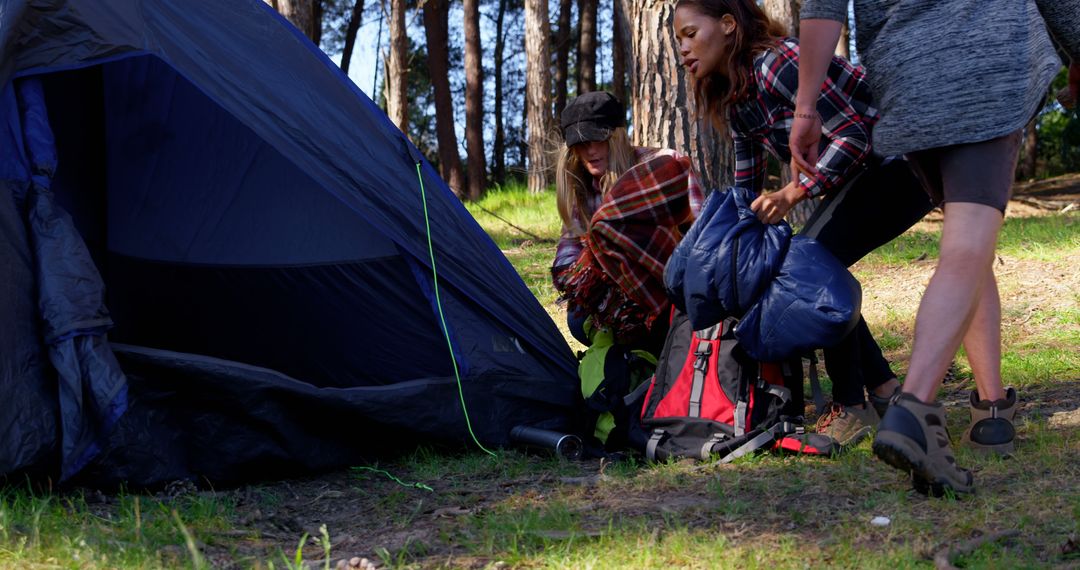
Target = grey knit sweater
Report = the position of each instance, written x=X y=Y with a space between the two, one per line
x=947 y=72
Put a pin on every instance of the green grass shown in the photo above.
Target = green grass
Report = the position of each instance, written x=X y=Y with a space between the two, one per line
x=1044 y=238
x=38 y=527
x=515 y=219
x=510 y=214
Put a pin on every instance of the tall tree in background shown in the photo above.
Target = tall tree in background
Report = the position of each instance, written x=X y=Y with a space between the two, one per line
x=663 y=110
x=436 y=29
x=586 y=54
x=317 y=11
x=620 y=42
x=537 y=91
x=1030 y=155
x=300 y=13
x=562 y=54
x=843 y=45
x=474 y=102
x=498 y=147
x=351 y=28
x=397 y=68
x=784 y=12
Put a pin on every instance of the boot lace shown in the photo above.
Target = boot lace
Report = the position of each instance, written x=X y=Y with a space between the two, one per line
x=825 y=420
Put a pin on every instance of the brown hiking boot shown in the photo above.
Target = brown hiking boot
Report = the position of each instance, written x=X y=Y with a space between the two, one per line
x=847 y=425
x=991 y=429
x=913 y=437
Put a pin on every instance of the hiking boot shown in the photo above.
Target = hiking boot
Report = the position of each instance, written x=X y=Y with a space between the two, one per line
x=991 y=429
x=847 y=425
x=881 y=403
x=913 y=437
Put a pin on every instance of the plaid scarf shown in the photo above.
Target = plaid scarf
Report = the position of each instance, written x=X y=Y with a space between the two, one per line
x=619 y=276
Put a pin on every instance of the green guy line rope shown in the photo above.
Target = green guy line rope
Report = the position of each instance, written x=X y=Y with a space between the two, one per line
x=416 y=485
x=442 y=318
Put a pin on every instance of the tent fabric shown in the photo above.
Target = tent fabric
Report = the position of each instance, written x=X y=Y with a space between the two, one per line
x=245 y=203
x=71 y=300
x=29 y=425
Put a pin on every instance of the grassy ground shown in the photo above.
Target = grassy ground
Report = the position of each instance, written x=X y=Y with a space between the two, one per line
x=448 y=508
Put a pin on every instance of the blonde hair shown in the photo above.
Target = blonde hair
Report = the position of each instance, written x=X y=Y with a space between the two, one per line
x=573 y=183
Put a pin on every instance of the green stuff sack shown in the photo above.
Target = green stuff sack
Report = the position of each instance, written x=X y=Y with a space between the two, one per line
x=610 y=372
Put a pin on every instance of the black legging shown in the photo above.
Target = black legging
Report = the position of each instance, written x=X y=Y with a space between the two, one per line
x=870 y=211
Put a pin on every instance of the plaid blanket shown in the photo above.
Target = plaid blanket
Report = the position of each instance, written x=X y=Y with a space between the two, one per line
x=619 y=276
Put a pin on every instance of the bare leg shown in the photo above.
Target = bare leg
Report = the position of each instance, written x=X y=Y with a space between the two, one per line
x=983 y=341
x=948 y=307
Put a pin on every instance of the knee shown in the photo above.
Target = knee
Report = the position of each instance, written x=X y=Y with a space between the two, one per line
x=967 y=255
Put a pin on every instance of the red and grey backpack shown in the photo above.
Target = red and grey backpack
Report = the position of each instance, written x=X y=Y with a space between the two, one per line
x=709 y=398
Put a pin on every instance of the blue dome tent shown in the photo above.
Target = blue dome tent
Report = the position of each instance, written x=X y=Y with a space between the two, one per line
x=216 y=265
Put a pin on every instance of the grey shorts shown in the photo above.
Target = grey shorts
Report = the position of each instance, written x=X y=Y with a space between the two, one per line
x=979 y=172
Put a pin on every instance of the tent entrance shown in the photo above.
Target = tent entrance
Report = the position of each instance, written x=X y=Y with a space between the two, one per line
x=212 y=242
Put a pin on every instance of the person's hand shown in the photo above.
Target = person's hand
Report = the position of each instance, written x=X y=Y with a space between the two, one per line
x=803 y=141
x=771 y=208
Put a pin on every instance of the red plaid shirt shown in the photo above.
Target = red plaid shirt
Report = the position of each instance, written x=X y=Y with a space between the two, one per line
x=764 y=121
x=570 y=242
x=618 y=277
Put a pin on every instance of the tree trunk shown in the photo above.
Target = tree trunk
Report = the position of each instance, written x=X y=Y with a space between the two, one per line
x=785 y=13
x=397 y=79
x=663 y=110
x=498 y=147
x=474 y=101
x=317 y=21
x=619 y=42
x=843 y=45
x=355 y=19
x=1031 y=150
x=537 y=91
x=523 y=140
x=562 y=55
x=586 y=55
x=436 y=28
x=299 y=12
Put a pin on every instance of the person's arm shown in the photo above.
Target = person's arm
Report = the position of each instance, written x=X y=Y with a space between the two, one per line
x=817 y=41
x=1063 y=20
x=777 y=82
x=567 y=252
x=750 y=161
x=846 y=131
x=750 y=165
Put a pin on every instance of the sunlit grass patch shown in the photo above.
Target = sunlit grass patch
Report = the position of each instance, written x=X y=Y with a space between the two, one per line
x=1042 y=238
x=512 y=215
x=1036 y=366
x=135 y=532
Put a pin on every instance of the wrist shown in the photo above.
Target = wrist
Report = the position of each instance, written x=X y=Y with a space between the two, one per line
x=806 y=103
x=797 y=193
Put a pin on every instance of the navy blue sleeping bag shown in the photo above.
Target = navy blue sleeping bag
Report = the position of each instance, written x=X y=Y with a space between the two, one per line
x=726 y=259
x=813 y=302
x=790 y=294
